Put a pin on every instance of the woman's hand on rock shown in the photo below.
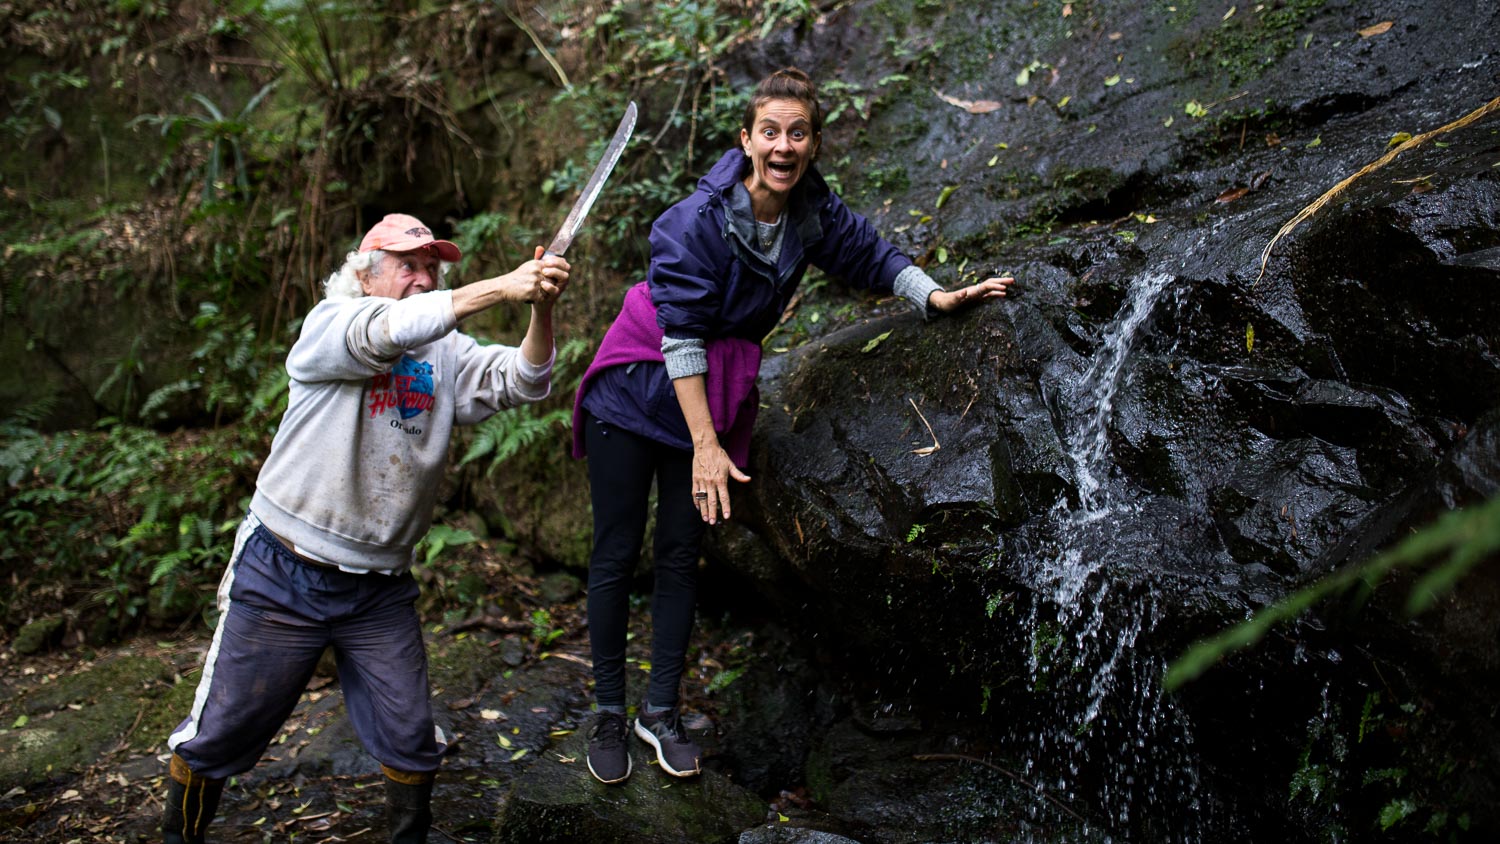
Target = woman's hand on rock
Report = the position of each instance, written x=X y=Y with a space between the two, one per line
x=948 y=301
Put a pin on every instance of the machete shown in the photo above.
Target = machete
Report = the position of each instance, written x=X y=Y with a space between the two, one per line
x=595 y=184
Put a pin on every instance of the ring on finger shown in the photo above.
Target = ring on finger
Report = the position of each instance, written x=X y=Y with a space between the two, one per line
x=701 y=494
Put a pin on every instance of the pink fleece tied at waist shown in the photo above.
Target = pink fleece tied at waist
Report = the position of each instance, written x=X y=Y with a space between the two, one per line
x=733 y=365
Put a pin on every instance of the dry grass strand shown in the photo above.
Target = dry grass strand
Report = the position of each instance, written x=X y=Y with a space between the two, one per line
x=1265 y=255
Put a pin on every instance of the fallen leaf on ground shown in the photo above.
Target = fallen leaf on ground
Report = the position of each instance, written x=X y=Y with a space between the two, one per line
x=1231 y=195
x=971 y=106
x=1378 y=29
x=876 y=341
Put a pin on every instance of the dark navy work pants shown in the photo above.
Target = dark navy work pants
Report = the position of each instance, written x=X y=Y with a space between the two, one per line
x=277 y=613
x=622 y=466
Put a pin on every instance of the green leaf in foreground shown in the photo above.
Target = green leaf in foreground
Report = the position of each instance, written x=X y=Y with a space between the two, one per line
x=1467 y=537
x=723 y=679
x=875 y=341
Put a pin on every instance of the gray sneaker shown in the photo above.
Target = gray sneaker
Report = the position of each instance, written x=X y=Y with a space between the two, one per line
x=609 y=758
x=677 y=754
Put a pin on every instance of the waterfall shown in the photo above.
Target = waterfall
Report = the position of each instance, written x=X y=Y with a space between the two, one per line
x=1109 y=740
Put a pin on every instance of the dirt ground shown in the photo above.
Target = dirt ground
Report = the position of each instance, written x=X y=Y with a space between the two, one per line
x=504 y=691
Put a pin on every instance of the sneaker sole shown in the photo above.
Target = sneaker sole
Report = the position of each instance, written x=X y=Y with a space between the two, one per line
x=628 y=768
x=650 y=738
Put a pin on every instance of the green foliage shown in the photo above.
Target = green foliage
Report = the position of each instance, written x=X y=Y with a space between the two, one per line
x=993 y=603
x=513 y=430
x=1235 y=48
x=1466 y=536
x=217 y=131
x=486 y=237
x=723 y=679
x=840 y=97
x=125 y=376
x=1377 y=772
x=680 y=32
x=1310 y=781
x=1048 y=651
x=884 y=181
x=31 y=113
x=439 y=538
x=117 y=511
x=543 y=632
x=786 y=13
x=262 y=167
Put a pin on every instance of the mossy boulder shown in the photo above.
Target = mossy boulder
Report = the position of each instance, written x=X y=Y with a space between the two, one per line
x=73 y=722
x=38 y=635
x=558 y=801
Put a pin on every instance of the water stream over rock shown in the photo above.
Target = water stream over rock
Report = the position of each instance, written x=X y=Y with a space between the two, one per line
x=1084 y=631
x=1151 y=439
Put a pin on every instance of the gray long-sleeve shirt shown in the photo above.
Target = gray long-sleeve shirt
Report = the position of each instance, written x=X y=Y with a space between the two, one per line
x=377 y=386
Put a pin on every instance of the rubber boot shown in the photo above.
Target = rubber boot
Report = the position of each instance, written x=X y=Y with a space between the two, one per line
x=408 y=805
x=191 y=803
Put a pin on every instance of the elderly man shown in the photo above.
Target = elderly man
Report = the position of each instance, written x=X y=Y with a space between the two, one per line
x=379 y=377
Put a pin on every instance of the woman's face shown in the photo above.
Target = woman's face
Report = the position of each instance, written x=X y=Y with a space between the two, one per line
x=402 y=274
x=781 y=147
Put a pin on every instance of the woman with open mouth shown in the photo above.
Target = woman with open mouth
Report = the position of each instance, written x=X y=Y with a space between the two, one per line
x=671 y=396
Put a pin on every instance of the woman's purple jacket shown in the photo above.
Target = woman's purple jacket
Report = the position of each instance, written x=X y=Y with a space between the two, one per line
x=707 y=281
x=733 y=365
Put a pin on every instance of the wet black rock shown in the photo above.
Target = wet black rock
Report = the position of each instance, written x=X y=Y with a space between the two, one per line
x=1151 y=438
x=783 y=834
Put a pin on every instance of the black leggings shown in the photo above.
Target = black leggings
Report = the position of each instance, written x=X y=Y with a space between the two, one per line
x=621 y=467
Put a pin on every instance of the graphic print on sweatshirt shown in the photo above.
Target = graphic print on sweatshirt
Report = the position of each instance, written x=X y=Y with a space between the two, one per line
x=407 y=389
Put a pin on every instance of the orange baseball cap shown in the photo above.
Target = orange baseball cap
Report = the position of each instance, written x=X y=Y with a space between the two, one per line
x=405 y=233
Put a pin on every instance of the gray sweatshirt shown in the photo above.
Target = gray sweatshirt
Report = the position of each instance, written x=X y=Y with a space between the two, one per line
x=377 y=386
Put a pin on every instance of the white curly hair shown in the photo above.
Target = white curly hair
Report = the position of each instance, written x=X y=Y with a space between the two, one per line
x=344 y=284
